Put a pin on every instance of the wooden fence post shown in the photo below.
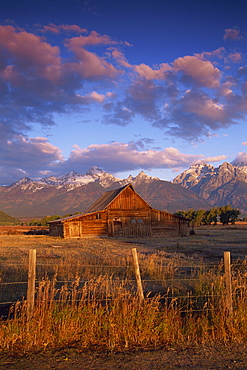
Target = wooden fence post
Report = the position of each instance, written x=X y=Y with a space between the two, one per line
x=228 y=282
x=31 y=282
x=138 y=275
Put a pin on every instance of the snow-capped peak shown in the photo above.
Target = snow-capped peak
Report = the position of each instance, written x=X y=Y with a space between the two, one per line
x=23 y=181
x=95 y=171
x=73 y=180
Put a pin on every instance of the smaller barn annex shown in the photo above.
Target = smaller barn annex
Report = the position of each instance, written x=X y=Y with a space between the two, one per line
x=119 y=213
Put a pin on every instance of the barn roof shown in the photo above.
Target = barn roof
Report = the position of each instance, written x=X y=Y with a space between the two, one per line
x=105 y=200
x=99 y=205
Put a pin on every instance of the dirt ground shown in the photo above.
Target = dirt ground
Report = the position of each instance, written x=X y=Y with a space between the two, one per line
x=207 y=357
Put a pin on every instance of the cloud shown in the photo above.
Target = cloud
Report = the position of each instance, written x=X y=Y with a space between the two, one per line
x=218 y=53
x=244 y=143
x=57 y=29
x=120 y=58
x=29 y=153
x=216 y=158
x=195 y=114
x=186 y=98
x=241 y=158
x=232 y=34
x=117 y=114
x=39 y=81
x=21 y=156
x=37 y=157
x=153 y=74
x=118 y=157
x=201 y=72
x=94 y=97
x=89 y=65
x=59 y=69
x=24 y=55
x=236 y=57
x=142 y=97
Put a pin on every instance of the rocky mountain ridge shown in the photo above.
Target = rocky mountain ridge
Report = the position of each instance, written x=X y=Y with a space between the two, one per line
x=201 y=186
x=226 y=184
x=73 y=180
x=74 y=192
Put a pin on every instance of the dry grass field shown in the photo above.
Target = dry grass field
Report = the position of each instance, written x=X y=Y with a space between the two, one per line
x=86 y=300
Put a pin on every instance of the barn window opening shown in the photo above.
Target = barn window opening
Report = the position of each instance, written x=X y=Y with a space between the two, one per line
x=140 y=220
x=133 y=220
x=98 y=216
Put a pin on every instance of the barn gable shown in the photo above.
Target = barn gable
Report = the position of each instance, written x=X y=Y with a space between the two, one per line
x=119 y=213
x=119 y=198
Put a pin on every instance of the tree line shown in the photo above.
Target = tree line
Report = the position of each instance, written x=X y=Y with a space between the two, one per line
x=225 y=215
x=44 y=221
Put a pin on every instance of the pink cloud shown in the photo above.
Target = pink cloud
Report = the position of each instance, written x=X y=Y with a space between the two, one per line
x=89 y=64
x=152 y=74
x=27 y=153
x=235 y=57
x=93 y=96
x=116 y=156
x=241 y=157
x=120 y=58
x=202 y=72
x=226 y=88
x=232 y=34
x=57 y=29
x=216 y=158
x=202 y=105
x=218 y=53
x=93 y=39
x=30 y=53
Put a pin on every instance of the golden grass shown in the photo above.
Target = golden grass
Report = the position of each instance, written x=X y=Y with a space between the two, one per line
x=106 y=314
x=86 y=295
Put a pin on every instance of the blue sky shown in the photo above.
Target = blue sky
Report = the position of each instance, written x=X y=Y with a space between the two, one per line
x=123 y=85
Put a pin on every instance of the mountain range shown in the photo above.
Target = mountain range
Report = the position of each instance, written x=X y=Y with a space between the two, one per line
x=200 y=187
x=75 y=192
x=219 y=186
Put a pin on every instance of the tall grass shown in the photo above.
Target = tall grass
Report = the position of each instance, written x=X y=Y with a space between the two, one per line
x=87 y=297
x=105 y=313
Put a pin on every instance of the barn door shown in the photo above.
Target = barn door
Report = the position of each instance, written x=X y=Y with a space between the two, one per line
x=117 y=228
x=75 y=229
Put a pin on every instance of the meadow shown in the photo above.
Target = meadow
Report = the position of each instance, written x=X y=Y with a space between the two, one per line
x=86 y=291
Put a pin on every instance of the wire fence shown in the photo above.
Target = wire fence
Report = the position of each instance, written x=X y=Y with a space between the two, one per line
x=192 y=287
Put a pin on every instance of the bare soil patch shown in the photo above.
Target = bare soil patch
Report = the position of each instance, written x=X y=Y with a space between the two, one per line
x=187 y=357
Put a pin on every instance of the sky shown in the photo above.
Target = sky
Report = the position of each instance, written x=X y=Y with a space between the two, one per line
x=125 y=85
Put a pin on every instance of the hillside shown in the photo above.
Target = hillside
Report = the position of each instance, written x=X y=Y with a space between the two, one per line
x=8 y=220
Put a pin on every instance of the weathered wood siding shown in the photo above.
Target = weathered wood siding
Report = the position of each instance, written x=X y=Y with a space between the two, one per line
x=163 y=223
x=128 y=200
x=56 y=229
x=127 y=215
x=91 y=224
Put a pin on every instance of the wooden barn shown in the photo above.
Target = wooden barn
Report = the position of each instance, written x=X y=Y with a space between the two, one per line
x=119 y=213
